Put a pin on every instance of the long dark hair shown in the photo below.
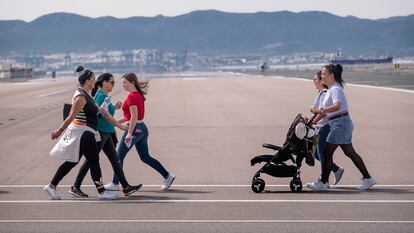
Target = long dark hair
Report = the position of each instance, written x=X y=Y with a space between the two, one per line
x=336 y=70
x=83 y=74
x=132 y=78
x=99 y=82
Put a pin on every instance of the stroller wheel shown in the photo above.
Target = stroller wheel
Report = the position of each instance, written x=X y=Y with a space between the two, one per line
x=296 y=185
x=258 y=185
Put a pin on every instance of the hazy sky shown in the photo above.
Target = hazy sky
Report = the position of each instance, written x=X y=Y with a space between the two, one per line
x=29 y=10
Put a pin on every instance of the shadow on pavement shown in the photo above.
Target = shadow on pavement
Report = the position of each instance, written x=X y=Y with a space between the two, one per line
x=4 y=192
x=345 y=190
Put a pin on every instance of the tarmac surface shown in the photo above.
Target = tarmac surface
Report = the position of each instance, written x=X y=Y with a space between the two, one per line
x=205 y=128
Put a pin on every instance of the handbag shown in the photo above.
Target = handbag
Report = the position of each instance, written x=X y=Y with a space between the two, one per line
x=66 y=110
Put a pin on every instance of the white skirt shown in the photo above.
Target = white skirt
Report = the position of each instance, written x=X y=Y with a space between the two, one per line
x=68 y=146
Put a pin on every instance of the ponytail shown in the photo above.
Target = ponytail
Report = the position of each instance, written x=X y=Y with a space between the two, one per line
x=95 y=89
x=336 y=70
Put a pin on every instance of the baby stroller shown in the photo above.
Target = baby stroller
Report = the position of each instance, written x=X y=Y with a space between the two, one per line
x=298 y=143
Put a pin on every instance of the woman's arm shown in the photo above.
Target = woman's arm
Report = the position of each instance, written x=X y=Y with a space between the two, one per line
x=77 y=105
x=318 y=118
x=334 y=107
x=134 y=115
x=112 y=120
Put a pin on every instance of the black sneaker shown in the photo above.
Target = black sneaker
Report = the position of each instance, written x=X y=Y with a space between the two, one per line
x=77 y=192
x=131 y=189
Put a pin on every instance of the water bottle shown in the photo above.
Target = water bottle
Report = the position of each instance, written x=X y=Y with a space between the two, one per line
x=104 y=107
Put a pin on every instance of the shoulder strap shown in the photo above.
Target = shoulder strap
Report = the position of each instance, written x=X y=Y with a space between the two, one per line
x=320 y=94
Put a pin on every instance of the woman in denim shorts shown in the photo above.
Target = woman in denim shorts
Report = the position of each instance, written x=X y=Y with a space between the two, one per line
x=335 y=108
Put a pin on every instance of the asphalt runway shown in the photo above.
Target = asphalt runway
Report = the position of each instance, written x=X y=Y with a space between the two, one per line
x=205 y=128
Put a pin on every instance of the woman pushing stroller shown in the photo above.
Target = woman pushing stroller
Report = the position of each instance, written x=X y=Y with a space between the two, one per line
x=335 y=108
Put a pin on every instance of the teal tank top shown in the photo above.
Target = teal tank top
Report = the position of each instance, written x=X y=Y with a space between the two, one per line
x=103 y=124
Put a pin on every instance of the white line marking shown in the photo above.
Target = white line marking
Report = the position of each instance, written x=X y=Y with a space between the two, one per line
x=350 y=84
x=192 y=79
x=383 y=88
x=201 y=185
x=199 y=221
x=52 y=93
x=200 y=201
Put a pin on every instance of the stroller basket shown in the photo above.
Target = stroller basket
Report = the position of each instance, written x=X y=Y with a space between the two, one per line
x=281 y=170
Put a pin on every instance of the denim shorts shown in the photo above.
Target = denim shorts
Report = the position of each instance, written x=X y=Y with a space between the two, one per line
x=341 y=131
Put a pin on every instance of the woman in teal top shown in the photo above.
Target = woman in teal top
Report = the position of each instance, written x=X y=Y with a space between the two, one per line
x=106 y=128
x=103 y=124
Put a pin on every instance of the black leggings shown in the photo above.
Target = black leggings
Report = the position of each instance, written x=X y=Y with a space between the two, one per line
x=108 y=147
x=88 y=148
x=349 y=151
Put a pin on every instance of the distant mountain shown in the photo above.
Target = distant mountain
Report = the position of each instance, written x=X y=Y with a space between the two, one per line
x=212 y=32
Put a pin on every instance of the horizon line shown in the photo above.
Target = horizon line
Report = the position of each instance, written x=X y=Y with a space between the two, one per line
x=202 y=10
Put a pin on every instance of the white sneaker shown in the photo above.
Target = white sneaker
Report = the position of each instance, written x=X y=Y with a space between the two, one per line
x=53 y=193
x=367 y=183
x=338 y=175
x=167 y=182
x=113 y=187
x=319 y=179
x=318 y=185
x=107 y=195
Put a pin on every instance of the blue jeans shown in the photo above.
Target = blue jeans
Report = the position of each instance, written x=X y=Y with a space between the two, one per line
x=140 y=140
x=320 y=148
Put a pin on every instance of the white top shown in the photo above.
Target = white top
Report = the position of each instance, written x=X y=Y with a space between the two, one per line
x=317 y=102
x=335 y=94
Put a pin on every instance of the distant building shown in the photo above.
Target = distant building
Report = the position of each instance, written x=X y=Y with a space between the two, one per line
x=8 y=73
x=362 y=61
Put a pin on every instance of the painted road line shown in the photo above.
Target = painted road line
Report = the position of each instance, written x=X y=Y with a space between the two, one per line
x=204 y=185
x=52 y=93
x=200 y=201
x=199 y=221
x=193 y=79
x=349 y=84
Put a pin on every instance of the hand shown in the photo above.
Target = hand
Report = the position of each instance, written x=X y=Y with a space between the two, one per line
x=118 y=105
x=315 y=110
x=123 y=127
x=122 y=120
x=56 y=134
x=128 y=138
x=312 y=109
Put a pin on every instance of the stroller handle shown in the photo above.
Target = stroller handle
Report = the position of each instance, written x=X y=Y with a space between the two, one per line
x=309 y=123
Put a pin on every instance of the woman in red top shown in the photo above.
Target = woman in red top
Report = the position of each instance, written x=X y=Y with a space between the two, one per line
x=137 y=132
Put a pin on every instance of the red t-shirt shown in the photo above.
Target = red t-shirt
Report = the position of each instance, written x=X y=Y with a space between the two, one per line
x=134 y=98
